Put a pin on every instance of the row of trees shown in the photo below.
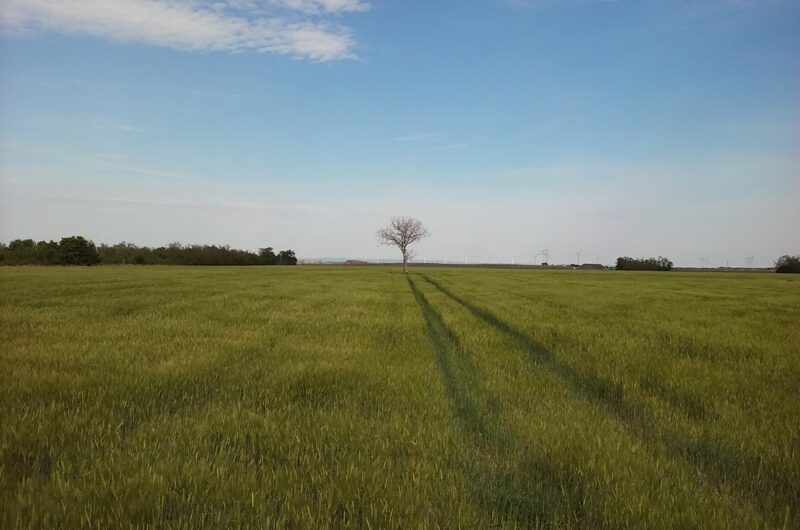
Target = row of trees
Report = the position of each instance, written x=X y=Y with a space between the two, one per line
x=76 y=250
x=788 y=264
x=644 y=264
x=783 y=264
x=177 y=254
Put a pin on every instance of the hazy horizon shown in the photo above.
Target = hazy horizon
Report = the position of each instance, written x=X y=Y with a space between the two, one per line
x=606 y=127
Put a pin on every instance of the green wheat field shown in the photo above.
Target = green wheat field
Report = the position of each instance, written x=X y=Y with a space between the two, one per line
x=354 y=397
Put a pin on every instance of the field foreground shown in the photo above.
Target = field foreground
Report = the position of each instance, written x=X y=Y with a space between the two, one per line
x=324 y=397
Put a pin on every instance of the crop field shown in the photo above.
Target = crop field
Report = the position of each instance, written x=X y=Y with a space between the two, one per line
x=354 y=397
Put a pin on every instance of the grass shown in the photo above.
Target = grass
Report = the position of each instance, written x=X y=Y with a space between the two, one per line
x=321 y=397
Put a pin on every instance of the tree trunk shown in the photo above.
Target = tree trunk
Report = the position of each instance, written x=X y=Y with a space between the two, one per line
x=405 y=265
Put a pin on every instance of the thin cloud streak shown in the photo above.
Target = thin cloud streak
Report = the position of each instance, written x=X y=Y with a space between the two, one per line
x=432 y=139
x=113 y=156
x=225 y=204
x=105 y=125
x=221 y=26
x=522 y=4
x=324 y=6
x=426 y=137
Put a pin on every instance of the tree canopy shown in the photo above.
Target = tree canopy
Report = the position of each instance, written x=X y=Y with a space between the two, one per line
x=73 y=250
x=77 y=250
x=643 y=264
x=788 y=264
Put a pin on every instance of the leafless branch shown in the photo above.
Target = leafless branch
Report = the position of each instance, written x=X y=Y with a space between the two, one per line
x=402 y=232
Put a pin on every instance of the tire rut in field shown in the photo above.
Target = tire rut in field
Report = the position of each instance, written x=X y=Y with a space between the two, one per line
x=499 y=482
x=690 y=406
x=777 y=497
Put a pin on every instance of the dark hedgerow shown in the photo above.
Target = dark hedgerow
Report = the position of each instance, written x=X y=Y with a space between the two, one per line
x=74 y=250
x=644 y=264
x=77 y=250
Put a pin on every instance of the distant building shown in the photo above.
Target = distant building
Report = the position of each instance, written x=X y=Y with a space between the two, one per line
x=593 y=266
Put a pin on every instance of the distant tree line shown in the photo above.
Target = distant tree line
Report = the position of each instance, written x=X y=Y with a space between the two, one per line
x=788 y=264
x=77 y=250
x=644 y=264
x=74 y=250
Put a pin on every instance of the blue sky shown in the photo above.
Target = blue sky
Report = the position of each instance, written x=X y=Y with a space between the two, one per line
x=607 y=127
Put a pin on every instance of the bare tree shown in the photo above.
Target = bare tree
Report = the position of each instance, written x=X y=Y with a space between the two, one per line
x=402 y=232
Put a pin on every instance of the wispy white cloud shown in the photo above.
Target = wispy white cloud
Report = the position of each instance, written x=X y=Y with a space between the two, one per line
x=167 y=201
x=232 y=25
x=109 y=126
x=549 y=3
x=553 y=172
x=424 y=137
x=445 y=147
x=433 y=139
x=113 y=156
x=304 y=6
